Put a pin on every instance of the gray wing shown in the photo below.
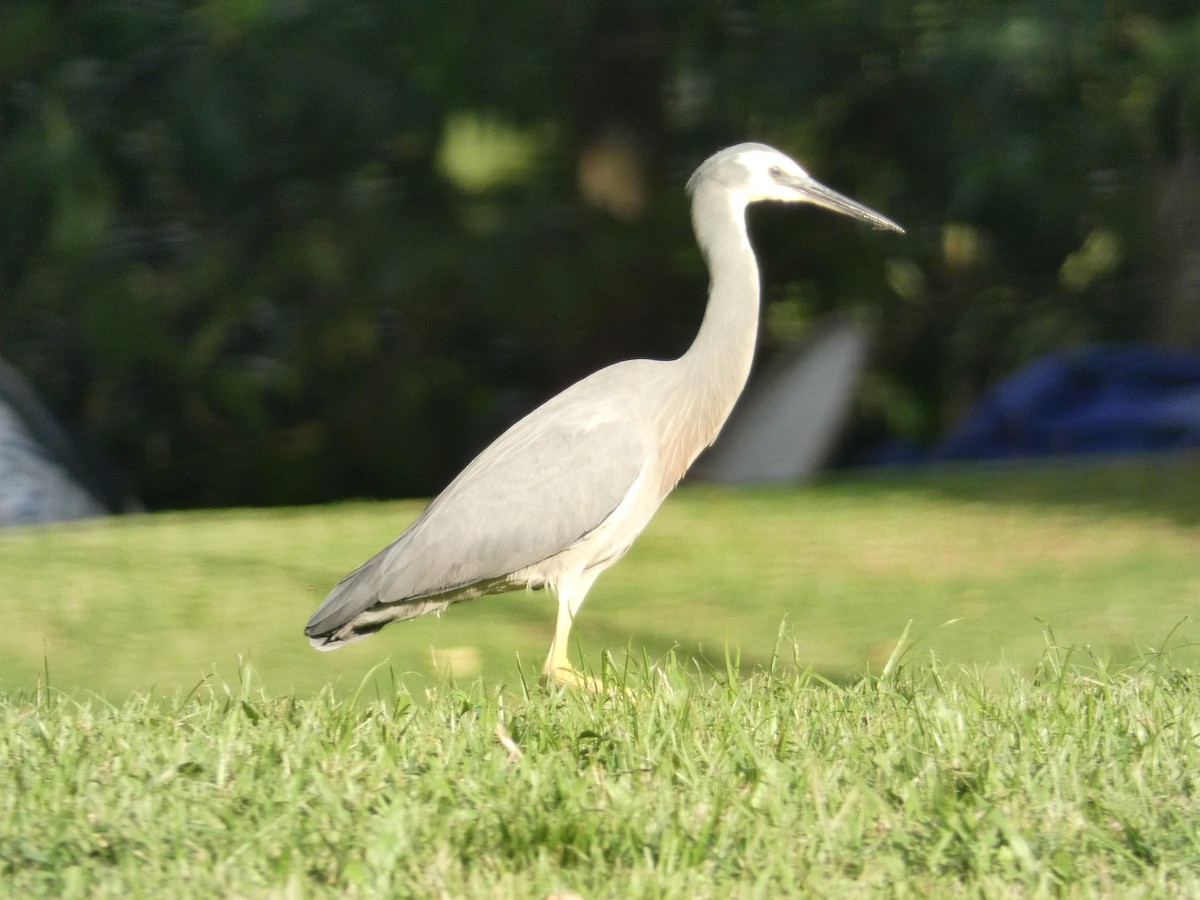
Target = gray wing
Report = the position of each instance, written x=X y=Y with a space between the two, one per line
x=548 y=481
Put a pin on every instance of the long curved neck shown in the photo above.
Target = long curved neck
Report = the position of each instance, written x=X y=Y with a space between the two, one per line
x=708 y=378
x=718 y=362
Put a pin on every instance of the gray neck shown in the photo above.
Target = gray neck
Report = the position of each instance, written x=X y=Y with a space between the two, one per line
x=705 y=382
x=718 y=362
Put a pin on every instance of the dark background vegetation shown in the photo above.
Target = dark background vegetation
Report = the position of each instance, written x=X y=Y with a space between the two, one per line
x=278 y=252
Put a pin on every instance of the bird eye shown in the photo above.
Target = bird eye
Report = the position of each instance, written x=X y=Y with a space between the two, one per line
x=775 y=171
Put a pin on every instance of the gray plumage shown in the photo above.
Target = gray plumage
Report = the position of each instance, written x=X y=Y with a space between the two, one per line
x=563 y=493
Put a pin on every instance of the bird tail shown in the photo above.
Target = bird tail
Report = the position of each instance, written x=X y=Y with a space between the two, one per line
x=358 y=607
x=331 y=641
x=353 y=611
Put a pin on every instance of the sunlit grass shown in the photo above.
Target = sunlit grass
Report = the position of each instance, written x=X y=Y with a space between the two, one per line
x=1046 y=749
x=926 y=781
x=1107 y=556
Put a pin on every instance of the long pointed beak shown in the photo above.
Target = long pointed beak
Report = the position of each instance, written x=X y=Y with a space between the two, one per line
x=817 y=194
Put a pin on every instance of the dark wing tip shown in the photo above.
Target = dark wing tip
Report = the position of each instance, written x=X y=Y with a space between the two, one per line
x=322 y=642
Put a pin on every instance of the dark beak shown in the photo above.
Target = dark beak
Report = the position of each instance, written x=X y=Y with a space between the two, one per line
x=817 y=194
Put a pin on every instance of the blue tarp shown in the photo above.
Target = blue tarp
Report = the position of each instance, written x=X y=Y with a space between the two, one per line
x=1106 y=399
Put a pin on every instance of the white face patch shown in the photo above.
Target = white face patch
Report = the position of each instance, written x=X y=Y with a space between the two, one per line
x=765 y=168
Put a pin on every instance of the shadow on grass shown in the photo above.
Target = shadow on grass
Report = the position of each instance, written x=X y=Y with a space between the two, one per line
x=714 y=663
x=711 y=659
x=1165 y=486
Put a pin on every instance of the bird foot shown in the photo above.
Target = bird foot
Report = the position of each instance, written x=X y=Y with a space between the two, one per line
x=570 y=677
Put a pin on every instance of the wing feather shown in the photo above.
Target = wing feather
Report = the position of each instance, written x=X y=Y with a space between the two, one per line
x=543 y=485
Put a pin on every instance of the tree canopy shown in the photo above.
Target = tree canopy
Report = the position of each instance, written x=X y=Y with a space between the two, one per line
x=268 y=252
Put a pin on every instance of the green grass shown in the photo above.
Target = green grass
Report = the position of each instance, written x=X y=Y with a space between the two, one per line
x=1046 y=743
x=1107 y=556
x=923 y=782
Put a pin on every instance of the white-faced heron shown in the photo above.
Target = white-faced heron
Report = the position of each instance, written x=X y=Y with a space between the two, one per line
x=562 y=494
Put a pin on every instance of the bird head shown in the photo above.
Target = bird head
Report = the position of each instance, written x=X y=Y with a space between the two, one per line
x=755 y=172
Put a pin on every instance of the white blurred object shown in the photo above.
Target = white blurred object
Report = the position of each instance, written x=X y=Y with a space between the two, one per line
x=44 y=477
x=786 y=424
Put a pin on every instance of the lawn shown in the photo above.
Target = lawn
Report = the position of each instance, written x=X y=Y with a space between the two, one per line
x=921 y=782
x=165 y=730
x=1104 y=555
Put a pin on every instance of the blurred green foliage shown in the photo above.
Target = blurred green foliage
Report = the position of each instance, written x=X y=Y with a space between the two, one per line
x=272 y=252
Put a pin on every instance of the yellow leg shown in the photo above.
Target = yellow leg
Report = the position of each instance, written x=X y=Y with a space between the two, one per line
x=558 y=668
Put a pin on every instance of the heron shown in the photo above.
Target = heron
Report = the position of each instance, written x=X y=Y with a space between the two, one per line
x=564 y=492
